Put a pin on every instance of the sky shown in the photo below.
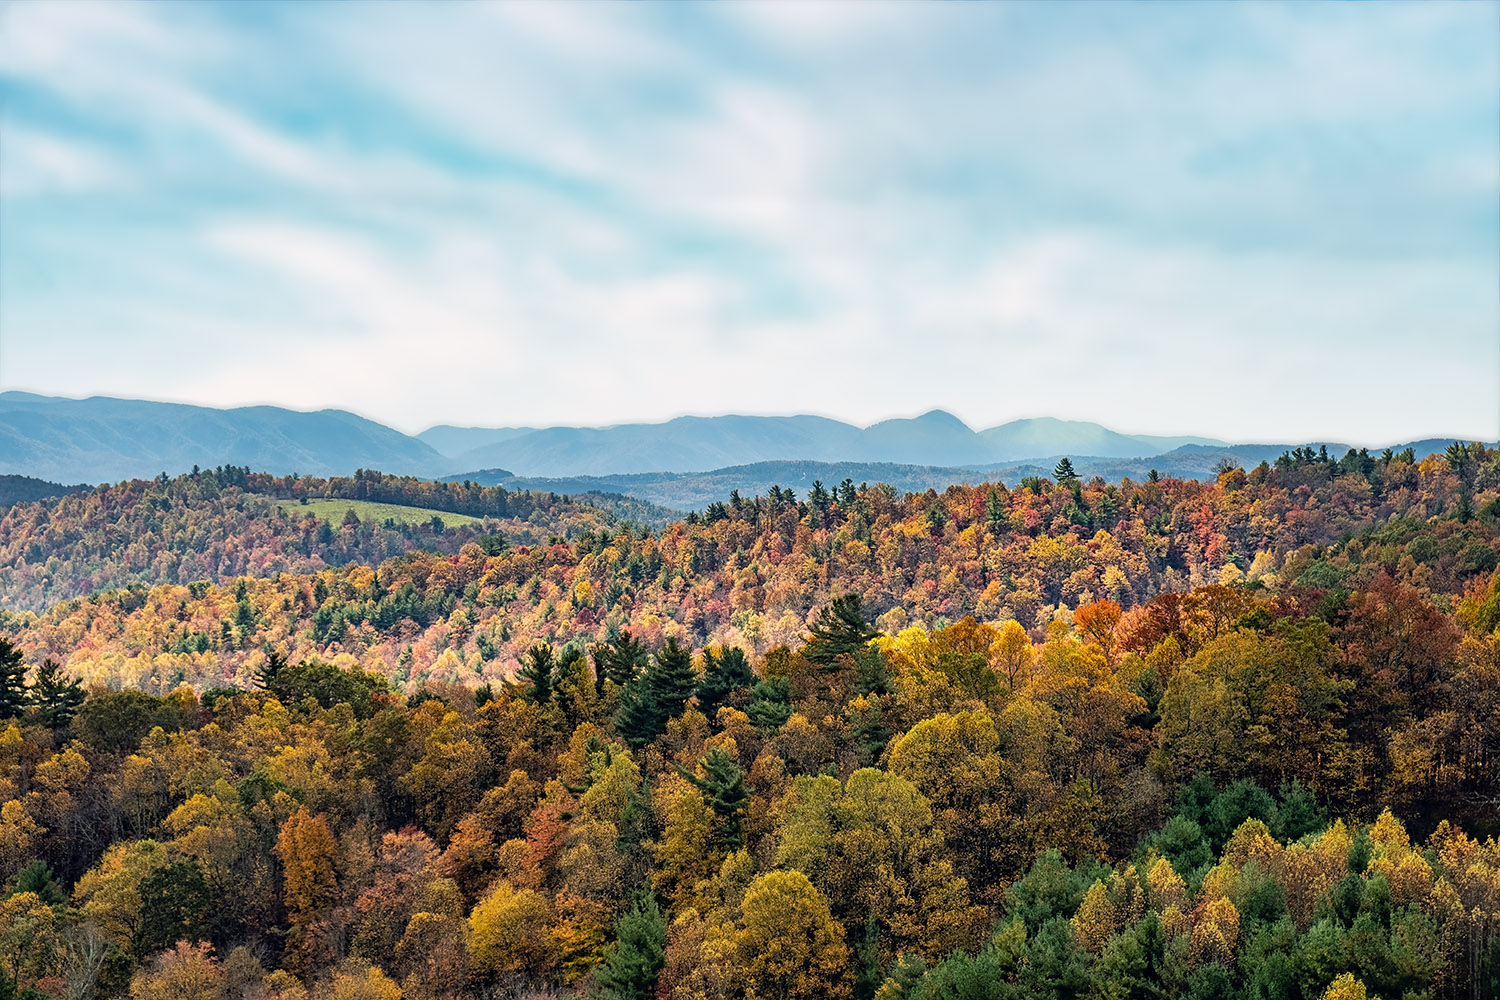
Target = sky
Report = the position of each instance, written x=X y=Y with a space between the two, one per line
x=1250 y=221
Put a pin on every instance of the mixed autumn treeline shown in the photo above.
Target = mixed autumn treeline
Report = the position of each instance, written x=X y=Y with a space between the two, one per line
x=1068 y=740
x=223 y=523
x=752 y=573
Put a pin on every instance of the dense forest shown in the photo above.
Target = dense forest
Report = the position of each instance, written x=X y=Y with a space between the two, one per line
x=1068 y=739
x=752 y=572
x=224 y=523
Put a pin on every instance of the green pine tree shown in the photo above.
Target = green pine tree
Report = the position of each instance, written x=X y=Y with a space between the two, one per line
x=38 y=877
x=1063 y=471
x=1109 y=506
x=770 y=705
x=56 y=698
x=12 y=681
x=841 y=630
x=660 y=695
x=537 y=670
x=636 y=719
x=672 y=679
x=821 y=500
x=265 y=677
x=995 y=513
x=1458 y=460
x=847 y=493
x=1465 y=512
x=725 y=671
x=870 y=673
x=723 y=788
x=633 y=962
x=622 y=661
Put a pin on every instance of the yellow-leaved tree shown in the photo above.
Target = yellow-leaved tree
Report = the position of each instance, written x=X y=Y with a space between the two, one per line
x=1094 y=923
x=954 y=761
x=508 y=930
x=1346 y=987
x=789 y=946
x=307 y=850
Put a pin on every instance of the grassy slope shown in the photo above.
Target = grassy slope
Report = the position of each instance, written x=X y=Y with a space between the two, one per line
x=333 y=512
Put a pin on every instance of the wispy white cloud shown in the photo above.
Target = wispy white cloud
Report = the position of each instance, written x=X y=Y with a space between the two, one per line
x=576 y=213
x=36 y=163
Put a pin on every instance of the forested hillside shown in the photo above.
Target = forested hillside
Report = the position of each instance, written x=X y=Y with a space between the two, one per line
x=23 y=489
x=752 y=572
x=225 y=523
x=1231 y=740
x=695 y=490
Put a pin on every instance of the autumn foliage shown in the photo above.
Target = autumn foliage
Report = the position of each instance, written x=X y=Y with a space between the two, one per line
x=1165 y=739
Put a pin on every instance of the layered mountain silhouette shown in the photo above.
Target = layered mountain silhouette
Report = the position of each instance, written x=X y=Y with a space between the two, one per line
x=701 y=444
x=101 y=439
x=675 y=462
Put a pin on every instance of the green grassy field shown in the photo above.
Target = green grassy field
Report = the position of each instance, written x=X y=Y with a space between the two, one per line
x=333 y=511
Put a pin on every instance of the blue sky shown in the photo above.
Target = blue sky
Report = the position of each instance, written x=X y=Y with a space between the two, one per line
x=1254 y=221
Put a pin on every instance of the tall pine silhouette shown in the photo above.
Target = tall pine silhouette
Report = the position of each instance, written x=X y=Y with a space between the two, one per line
x=632 y=963
x=841 y=631
x=12 y=681
x=538 y=670
x=56 y=698
x=723 y=787
x=660 y=695
x=621 y=661
x=725 y=671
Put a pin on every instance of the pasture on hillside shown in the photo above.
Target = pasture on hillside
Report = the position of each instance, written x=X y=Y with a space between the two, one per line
x=333 y=511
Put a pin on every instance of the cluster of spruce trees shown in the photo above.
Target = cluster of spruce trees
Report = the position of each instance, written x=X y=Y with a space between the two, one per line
x=55 y=698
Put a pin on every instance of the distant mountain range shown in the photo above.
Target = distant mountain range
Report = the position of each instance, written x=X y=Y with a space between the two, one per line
x=701 y=444
x=101 y=439
x=677 y=463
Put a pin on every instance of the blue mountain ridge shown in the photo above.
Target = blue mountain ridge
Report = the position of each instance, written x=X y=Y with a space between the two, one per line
x=106 y=439
x=701 y=444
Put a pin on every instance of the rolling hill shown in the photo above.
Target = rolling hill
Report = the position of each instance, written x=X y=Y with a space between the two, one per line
x=453 y=441
x=695 y=490
x=1065 y=730
x=105 y=439
x=24 y=489
x=228 y=522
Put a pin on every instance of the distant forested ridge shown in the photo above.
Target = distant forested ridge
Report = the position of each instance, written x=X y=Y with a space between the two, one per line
x=22 y=489
x=1069 y=739
x=219 y=524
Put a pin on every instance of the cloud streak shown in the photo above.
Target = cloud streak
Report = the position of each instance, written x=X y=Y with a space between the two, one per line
x=1224 y=220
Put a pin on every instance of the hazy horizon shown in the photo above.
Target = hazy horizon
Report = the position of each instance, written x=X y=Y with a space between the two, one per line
x=973 y=426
